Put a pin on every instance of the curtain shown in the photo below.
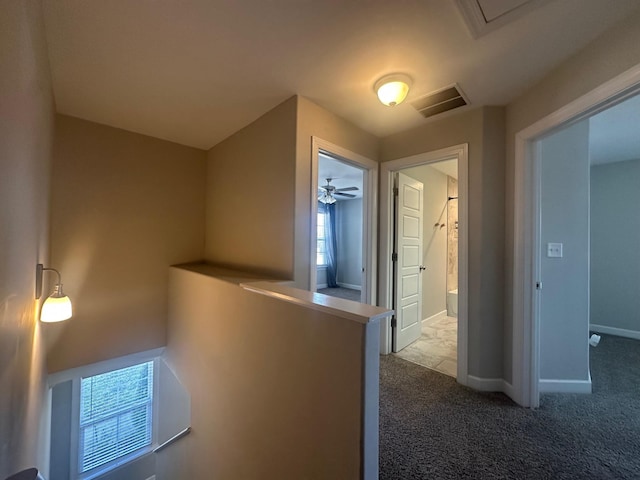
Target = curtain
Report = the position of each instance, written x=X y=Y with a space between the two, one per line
x=330 y=242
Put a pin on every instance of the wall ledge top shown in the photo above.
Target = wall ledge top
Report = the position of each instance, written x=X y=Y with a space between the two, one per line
x=279 y=289
x=340 y=307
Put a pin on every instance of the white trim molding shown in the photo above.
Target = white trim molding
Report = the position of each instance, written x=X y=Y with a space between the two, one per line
x=490 y=385
x=478 y=25
x=564 y=386
x=104 y=366
x=369 y=212
x=525 y=340
x=387 y=171
x=618 y=332
x=436 y=316
x=350 y=285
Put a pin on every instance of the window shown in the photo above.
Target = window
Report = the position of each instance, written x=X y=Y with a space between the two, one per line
x=104 y=416
x=116 y=413
x=321 y=241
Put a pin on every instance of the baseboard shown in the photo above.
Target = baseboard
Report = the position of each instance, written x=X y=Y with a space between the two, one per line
x=443 y=313
x=564 y=386
x=321 y=285
x=350 y=285
x=490 y=385
x=618 y=332
x=508 y=390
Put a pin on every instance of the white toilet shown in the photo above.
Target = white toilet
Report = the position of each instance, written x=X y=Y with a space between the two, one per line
x=28 y=474
x=452 y=303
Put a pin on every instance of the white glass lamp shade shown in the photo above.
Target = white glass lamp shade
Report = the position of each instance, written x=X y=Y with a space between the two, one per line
x=392 y=89
x=327 y=198
x=57 y=307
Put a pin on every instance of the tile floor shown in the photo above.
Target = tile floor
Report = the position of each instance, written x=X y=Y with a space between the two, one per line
x=437 y=346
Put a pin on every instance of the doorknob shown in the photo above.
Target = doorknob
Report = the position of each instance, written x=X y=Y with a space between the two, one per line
x=422 y=267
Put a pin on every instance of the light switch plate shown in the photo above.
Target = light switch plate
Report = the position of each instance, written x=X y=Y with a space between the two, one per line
x=554 y=250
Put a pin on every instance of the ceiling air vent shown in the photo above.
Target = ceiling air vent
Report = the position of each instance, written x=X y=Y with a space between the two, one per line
x=441 y=101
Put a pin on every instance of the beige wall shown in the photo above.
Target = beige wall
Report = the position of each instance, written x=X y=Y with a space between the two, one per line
x=26 y=130
x=483 y=130
x=313 y=120
x=608 y=56
x=259 y=189
x=276 y=389
x=124 y=207
x=250 y=195
x=486 y=248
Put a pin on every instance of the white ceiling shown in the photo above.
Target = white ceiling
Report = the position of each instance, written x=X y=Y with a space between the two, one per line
x=342 y=174
x=195 y=71
x=614 y=134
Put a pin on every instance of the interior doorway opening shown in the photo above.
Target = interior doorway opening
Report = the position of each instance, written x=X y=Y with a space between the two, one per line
x=424 y=280
x=339 y=229
x=426 y=267
x=588 y=172
x=344 y=223
x=528 y=243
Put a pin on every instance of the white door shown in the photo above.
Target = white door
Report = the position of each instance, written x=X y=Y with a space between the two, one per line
x=408 y=266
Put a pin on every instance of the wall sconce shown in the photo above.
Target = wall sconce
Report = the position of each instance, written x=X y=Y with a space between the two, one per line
x=393 y=89
x=57 y=306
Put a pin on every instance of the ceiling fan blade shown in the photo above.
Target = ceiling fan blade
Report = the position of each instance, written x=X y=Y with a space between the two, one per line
x=347 y=189
x=344 y=194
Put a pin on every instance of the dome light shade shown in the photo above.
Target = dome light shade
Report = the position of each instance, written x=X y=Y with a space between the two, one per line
x=57 y=307
x=393 y=89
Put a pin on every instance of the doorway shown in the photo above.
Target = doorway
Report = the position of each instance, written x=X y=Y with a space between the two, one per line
x=343 y=227
x=426 y=332
x=339 y=224
x=426 y=282
x=614 y=198
x=528 y=243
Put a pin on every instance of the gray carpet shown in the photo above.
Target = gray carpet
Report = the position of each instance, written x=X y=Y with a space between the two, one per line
x=433 y=428
x=341 y=292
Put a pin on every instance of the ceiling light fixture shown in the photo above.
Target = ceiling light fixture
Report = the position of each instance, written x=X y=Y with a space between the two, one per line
x=326 y=198
x=57 y=306
x=392 y=89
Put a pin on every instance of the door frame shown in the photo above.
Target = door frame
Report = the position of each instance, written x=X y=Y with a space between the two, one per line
x=369 y=209
x=526 y=232
x=388 y=169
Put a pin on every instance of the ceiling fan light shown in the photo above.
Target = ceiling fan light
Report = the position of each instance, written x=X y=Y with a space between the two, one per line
x=326 y=197
x=392 y=89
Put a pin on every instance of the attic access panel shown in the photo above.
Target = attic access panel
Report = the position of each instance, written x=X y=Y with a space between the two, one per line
x=484 y=16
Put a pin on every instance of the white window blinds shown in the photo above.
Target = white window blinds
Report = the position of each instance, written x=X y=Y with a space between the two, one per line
x=321 y=253
x=115 y=415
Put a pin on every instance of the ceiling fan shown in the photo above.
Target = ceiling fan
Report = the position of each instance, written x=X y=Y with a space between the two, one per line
x=327 y=192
